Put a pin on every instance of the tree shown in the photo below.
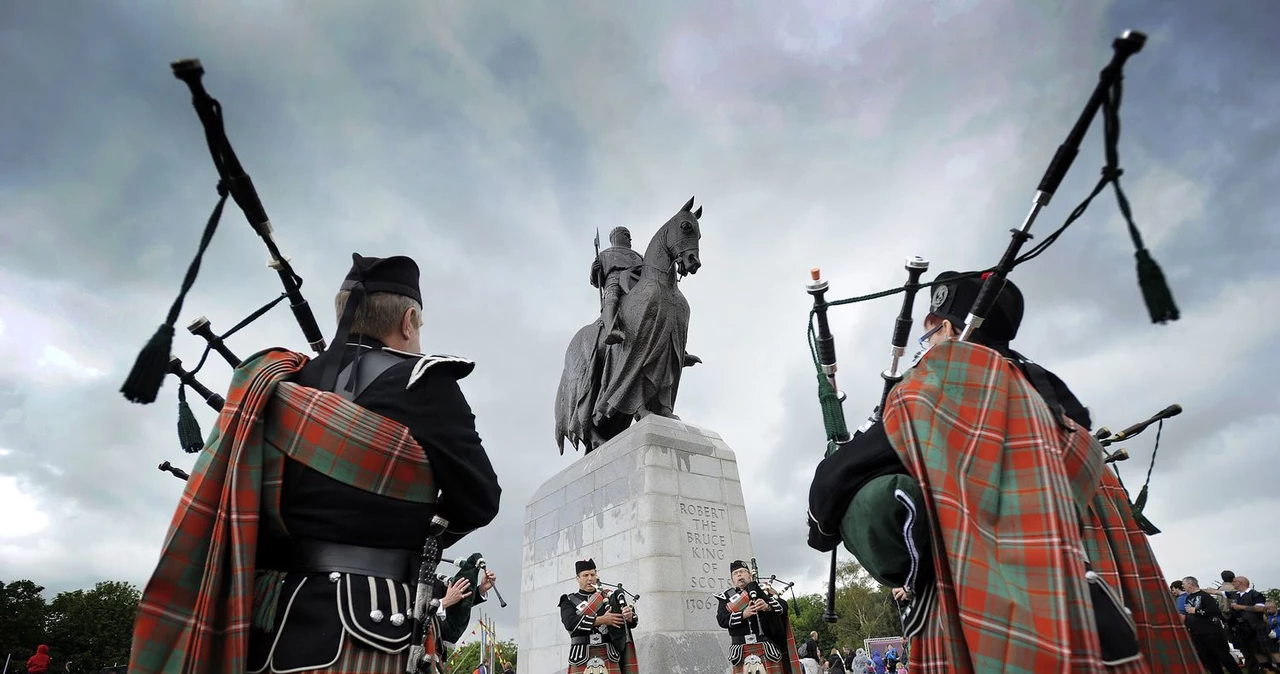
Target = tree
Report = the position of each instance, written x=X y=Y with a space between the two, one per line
x=22 y=618
x=93 y=629
x=806 y=617
x=1273 y=594
x=865 y=609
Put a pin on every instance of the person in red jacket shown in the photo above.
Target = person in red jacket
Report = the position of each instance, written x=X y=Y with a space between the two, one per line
x=39 y=663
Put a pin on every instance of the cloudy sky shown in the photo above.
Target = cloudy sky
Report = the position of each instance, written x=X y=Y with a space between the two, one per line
x=491 y=142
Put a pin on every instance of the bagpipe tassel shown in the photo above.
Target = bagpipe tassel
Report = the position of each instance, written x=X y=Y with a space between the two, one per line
x=189 y=435
x=147 y=376
x=150 y=368
x=1155 y=291
x=1143 y=523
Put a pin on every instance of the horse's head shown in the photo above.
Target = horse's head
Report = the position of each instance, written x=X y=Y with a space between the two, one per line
x=681 y=235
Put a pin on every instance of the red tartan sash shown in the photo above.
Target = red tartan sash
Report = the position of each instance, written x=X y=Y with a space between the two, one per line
x=738 y=603
x=592 y=605
x=195 y=612
x=1003 y=484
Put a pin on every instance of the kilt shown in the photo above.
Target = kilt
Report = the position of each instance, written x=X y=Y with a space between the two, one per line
x=754 y=661
x=598 y=662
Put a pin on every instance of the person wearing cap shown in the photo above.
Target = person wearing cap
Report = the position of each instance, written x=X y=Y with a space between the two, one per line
x=297 y=543
x=760 y=638
x=983 y=500
x=600 y=639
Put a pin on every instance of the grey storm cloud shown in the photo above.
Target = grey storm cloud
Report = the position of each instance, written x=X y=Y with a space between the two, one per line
x=491 y=141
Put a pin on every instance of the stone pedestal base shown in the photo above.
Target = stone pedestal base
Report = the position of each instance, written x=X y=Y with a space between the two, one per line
x=659 y=508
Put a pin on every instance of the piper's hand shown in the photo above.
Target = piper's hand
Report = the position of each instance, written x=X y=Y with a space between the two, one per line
x=900 y=593
x=750 y=610
x=628 y=613
x=609 y=619
x=761 y=605
x=490 y=579
x=457 y=592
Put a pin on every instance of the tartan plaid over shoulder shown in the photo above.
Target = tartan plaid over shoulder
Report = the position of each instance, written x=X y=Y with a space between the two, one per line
x=1004 y=484
x=195 y=612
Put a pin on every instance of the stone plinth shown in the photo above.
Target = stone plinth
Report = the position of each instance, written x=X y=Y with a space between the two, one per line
x=660 y=510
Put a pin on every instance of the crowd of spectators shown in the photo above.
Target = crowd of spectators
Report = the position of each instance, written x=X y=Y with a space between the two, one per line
x=1233 y=626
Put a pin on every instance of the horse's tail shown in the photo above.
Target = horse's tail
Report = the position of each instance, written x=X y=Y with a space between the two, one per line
x=575 y=386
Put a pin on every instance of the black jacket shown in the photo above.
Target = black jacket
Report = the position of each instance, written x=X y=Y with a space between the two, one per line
x=314 y=613
x=1207 y=615
x=438 y=417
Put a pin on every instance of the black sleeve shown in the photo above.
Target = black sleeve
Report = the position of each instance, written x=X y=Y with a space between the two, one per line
x=469 y=490
x=569 y=615
x=722 y=613
x=838 y=478
x=1209 y=607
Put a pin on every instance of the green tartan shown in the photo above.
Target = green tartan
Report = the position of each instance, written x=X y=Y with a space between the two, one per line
x=195 y=612
x=1004 y=485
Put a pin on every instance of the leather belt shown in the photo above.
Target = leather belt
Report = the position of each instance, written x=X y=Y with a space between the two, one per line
x=593 y=640
x=740 y=639
x=300 y=555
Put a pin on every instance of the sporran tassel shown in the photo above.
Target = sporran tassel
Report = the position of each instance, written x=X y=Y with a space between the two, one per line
x=189 y=435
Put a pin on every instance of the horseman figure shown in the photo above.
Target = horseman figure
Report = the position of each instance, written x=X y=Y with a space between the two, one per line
x=627 y=364
x=614 y=271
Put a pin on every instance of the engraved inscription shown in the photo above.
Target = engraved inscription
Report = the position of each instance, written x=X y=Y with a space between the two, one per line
x=706 y=549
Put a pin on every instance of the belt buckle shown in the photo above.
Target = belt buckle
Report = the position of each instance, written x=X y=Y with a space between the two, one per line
x=750 y=639
x=596 y=639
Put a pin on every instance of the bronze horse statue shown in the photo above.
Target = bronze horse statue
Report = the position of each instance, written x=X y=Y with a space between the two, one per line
x=604 y=387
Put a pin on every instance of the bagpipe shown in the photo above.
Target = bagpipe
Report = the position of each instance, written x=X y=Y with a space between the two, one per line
x=617 y=598
x=775 y=626
x=471 y=568
x=1106 y=439
x=1106 y=98
x=155 y=360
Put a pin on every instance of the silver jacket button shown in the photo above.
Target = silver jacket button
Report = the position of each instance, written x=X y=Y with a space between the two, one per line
x=376 y=616
x=397 y=619
x=333 y=577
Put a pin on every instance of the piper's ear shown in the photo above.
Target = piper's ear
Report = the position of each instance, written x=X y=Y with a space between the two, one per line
x=409 y=322
x=698 y=213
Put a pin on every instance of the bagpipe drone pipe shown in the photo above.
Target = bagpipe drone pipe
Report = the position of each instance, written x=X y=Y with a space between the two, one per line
x=1106 y=98
x=156 y=360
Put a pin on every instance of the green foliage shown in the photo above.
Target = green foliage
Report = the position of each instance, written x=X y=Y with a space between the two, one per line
x=1273 y=594
x=22 y=618
x=467 y=658
x=864 y=607
x=88 y=629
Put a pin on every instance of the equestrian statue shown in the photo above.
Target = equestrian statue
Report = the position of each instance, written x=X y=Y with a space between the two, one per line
x=626 y=364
